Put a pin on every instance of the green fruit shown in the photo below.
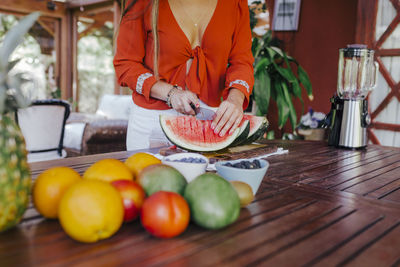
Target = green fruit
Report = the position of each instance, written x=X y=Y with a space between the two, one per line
x=213 y=201
x=160 y=177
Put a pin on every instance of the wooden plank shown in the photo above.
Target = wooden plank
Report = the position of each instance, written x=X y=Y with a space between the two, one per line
x=371 y=185
x=384 y=251
x=385 y=190
x=352 y=248
x=322 y=173
x=263 y=251
x=228 y=251
x=393 y=195
x=340 y=232
x=351 y=177
x=23 y=7
x=71 y=252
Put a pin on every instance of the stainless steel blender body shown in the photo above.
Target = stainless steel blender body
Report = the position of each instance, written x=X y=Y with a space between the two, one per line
x=357 y=75
x=354 y=123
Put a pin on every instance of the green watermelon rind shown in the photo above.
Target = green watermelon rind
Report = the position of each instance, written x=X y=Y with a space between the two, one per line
x=193 y=147
x=243 y=134
x=258 y=133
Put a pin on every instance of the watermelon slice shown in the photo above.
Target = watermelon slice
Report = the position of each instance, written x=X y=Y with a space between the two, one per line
x=244 y=127
x=258 y=126
x=189 y=133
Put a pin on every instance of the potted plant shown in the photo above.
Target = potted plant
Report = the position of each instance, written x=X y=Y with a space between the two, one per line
x=275 y=78
x=310 y=126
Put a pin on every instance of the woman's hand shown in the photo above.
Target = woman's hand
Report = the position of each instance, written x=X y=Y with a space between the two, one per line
x=181 y=101
x=229 y=113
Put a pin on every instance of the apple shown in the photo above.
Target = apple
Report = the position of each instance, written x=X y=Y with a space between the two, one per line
x=133 y=197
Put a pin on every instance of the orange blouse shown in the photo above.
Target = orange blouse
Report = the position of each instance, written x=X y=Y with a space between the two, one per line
x=223 y=61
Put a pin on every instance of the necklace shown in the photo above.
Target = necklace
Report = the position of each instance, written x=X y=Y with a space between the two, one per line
x=200 y=17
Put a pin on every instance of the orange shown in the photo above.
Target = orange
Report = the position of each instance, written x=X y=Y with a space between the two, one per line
x=139 y=161
x=91 y=210
x=108 y=170
x=49 y=187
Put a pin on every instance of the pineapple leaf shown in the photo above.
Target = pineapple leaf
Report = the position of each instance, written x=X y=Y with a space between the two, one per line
x=14 y=37
x=3 y=96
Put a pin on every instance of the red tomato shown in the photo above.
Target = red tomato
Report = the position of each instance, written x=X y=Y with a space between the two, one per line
x=133 y=197
x=165 y=214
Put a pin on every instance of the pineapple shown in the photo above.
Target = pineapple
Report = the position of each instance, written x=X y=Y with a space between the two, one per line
x=14 y=169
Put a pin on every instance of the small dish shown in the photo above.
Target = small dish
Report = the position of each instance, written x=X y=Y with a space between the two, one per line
x=189 y=170
x=252 y=177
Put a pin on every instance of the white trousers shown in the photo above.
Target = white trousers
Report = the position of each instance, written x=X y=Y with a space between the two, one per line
x=144 y=130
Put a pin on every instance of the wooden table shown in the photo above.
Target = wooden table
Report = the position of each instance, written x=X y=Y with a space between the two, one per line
x=316 y=206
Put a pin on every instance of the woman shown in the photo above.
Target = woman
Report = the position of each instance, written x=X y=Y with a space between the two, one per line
x=178 y=55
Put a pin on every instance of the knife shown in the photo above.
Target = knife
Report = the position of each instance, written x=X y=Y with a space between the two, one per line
x=203 y=113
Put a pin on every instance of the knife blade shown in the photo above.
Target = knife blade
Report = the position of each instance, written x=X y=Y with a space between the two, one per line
x=203 y=113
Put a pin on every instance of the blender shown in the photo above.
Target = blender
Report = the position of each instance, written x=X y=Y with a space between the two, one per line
x=349 y=118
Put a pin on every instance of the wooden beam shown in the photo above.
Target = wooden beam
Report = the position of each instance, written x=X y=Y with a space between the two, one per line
x=366 y=20
x=78 y=3
x=387 y=32
x=388 y=52
x=46 y=27
x=87 y=8
x=386 y=126
x=23 y=7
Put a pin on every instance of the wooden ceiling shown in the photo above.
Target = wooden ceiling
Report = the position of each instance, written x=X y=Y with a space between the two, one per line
x=78 y=3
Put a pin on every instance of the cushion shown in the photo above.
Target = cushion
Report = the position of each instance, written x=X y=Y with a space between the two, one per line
x=115 y=106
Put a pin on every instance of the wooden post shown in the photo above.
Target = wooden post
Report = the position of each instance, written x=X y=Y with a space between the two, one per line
x=117 y=17
x=66 y=56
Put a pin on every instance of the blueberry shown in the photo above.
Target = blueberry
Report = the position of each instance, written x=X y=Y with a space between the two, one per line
x=237 y=165
x=228 y=164
x=257 y=163
x=247 y=165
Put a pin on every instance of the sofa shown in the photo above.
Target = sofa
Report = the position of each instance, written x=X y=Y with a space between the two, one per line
x=102 y=132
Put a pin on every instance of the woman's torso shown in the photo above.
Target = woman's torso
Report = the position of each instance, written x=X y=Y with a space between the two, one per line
x=206 y=76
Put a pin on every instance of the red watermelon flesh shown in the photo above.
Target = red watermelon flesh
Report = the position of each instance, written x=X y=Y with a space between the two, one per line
x=192 y=134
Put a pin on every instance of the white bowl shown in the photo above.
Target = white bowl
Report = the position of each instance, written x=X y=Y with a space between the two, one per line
x=252 y=177
x=187 y=169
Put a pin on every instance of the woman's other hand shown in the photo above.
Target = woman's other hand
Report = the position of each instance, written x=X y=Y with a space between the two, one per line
x=181 y=101
x=229 y=113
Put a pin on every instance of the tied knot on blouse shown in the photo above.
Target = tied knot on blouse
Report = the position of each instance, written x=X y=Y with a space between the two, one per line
x=197 y=73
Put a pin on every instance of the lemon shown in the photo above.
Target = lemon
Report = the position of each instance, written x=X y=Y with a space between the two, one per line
x=108 y=170
x=49 y=187
x=91 y=210
x=137 y=162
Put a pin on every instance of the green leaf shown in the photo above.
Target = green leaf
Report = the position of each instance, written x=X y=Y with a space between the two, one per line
x=262 y=64
x=254 y=45
x=283 y=109
x=14 y=37
x=278 y=50
x=262 y=91
x=305 y=80
x=292 y=110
